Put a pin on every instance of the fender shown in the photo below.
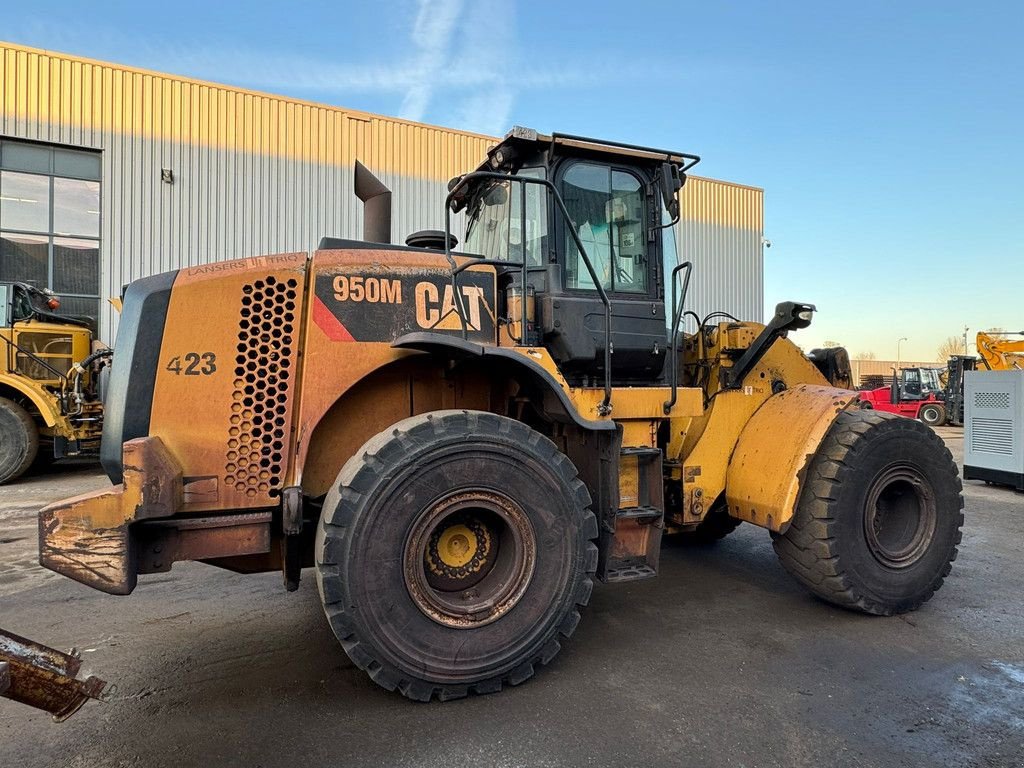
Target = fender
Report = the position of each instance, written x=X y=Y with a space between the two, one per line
x=43 y=402
x=453 y=347
x=771 y=457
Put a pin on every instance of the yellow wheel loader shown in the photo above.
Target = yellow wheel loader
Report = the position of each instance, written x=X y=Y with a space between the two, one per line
x=461 y=438
x=49 y=405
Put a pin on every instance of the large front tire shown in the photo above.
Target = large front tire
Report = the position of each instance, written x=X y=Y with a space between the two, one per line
x=454 y=550
x=878 y=520
x=19 y=440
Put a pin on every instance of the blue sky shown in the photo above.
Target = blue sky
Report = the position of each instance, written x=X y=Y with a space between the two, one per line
x=886 y=134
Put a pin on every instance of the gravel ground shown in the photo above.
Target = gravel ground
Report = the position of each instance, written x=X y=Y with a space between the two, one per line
x=722 y=661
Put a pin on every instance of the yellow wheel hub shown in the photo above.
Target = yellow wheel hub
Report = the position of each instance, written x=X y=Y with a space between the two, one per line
x=457 y=546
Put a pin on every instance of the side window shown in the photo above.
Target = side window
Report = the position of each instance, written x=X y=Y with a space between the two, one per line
x=535 y=224
x=606 y=207
x=496 y=222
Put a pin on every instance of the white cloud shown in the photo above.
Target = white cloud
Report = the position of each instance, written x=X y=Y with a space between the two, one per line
x=431 y=37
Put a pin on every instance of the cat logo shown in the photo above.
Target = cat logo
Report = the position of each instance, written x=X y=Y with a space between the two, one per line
x=437 y=312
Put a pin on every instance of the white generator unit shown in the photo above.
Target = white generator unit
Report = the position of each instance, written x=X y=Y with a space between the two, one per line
x=994 y=427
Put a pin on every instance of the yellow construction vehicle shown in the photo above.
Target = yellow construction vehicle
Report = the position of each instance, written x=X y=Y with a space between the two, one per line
x=999 y=354
x=461 y=441
x=49 y=406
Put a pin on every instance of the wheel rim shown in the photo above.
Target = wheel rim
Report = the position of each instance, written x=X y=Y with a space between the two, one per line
x=900 y=517
x=469 y=558
x=930 y=414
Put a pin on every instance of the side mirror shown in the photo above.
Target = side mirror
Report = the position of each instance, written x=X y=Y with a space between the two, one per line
x=671 y=183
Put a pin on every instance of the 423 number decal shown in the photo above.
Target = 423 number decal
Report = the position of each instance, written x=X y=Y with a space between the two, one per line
x=193 y=364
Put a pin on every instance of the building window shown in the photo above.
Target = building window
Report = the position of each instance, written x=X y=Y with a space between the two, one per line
x=50 y=222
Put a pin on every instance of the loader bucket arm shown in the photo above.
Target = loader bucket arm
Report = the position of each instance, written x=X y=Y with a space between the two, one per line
x=43 y=677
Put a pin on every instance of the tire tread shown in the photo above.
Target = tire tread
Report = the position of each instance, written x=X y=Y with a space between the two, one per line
x=809 y=550
x=357 y=478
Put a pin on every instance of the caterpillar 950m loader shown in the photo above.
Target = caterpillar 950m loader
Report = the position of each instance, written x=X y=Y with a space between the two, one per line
x=460 y=441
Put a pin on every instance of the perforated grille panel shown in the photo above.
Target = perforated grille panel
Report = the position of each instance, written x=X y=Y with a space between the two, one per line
x=992 y=436
x=257 y=436
x=992 y=399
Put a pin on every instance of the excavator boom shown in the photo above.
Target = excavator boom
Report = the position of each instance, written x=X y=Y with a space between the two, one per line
x=1000 y=354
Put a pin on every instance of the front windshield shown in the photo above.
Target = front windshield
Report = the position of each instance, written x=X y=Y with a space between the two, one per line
x=495 y=225
x=930 y=380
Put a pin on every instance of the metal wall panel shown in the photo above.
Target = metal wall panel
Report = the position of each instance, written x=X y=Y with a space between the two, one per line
x=257 y=174
x=721 y=232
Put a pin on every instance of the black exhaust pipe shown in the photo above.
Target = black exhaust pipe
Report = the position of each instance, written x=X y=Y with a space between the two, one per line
x=376 y=205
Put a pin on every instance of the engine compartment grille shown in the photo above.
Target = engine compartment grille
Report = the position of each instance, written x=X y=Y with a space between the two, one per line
x=257 y=435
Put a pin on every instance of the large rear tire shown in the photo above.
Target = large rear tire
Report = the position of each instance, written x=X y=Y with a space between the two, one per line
x=19 y=440
x=878 y=520
x=454 y=550
x=932 y=414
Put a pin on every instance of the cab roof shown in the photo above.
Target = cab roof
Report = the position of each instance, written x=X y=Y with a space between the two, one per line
x=520 y=140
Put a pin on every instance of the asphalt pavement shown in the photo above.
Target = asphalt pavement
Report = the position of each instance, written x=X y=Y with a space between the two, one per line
x=721 y=661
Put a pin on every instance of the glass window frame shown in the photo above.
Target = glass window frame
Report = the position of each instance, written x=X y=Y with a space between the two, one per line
x=536 y=200
x=50 y=233
x=652 y=250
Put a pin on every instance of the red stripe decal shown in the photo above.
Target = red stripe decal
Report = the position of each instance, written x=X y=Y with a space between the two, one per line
x=328 y=323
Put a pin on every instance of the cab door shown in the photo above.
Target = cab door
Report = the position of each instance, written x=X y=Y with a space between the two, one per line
x=611 y=210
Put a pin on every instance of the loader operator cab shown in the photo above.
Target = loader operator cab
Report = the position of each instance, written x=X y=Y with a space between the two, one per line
x=621 y=202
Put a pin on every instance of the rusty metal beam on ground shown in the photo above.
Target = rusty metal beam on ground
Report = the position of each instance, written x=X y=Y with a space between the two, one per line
x=43 y=677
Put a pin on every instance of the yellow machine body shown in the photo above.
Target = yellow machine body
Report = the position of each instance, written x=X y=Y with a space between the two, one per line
x=294 y=366
x=460 y=442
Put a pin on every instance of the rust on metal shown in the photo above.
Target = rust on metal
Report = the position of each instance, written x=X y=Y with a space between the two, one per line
x=479 y=600
x=43 y=677
x=86 y=537
x=163 y=542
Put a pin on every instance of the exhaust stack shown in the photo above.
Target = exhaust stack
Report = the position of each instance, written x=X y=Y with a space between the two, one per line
x=376 y=205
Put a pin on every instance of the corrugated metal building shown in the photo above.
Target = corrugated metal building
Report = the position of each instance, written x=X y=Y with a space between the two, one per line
x=109 y=173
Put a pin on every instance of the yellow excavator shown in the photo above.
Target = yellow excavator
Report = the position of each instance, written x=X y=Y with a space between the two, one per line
x=1000 y=354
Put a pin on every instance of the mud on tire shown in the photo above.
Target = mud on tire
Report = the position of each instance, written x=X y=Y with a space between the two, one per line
x=878 y=520
x=414 y=605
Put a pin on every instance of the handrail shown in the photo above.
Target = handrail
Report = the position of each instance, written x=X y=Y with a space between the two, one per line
x=604 y=408
x=677 y=316
x=37 y=359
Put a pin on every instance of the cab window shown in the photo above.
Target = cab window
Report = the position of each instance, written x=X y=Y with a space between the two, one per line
x=497 y=223
x=606 y=208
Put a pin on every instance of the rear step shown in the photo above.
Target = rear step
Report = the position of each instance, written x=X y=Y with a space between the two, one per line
x=631 y=552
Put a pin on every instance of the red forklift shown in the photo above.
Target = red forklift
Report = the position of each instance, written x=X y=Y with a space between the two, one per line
x=932 y=395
